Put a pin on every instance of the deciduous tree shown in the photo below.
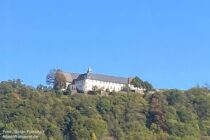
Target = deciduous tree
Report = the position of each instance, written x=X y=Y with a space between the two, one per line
x=57 y=79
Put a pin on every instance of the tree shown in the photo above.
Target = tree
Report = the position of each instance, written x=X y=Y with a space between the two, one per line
x=95 y=90
x=104 y=106
x=50 y=79
x=137 y=82
x=43 y=88
x=156 y=119
x=147 y=86
x=68 y=90
x=57 y=79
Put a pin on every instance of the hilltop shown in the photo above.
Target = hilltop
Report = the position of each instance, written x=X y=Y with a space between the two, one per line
x=169 y=115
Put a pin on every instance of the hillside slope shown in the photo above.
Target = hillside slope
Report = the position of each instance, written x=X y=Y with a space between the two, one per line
x=172 y=115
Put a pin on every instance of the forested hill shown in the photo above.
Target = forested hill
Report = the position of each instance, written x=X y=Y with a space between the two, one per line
x=169 y=115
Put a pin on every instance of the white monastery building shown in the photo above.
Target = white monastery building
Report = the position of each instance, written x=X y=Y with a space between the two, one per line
x=87 y=81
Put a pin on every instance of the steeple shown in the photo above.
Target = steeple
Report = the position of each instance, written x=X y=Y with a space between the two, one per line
x=89 y=70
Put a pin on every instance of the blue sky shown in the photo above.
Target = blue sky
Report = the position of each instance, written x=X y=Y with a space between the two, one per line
x=165 y=42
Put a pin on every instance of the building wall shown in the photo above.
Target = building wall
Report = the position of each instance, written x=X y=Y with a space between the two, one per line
x=89 y=84
x=80 y=85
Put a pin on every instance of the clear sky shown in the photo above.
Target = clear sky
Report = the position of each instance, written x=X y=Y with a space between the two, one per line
x=166 y=42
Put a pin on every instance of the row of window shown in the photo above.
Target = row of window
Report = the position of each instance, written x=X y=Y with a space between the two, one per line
x=103 y=82
x=104 y=88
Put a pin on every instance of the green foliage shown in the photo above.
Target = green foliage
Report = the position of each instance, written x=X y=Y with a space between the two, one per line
x=148 y=86
x=67 y=91
x=95 y=91
x=156 y=113
x=171 y=115
x=10 y=86
x=137 y=82
x=104 y=106
x=57 y=79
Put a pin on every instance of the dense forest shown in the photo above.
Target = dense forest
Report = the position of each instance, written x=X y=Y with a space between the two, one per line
x=165 y=115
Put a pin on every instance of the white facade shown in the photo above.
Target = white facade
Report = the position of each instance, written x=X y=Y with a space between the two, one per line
x=111 y=86
x=88 y=84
